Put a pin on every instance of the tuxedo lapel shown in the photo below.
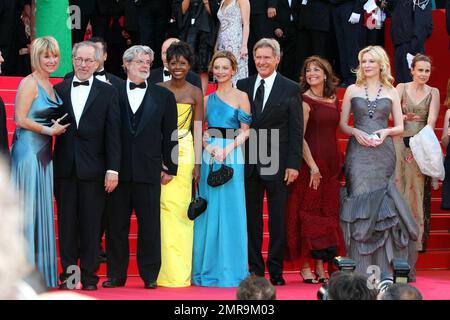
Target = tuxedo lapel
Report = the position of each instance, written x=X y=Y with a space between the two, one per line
x=66 y=96
x=149 y=105
x=125 y=103
x=250 y=90
x=274 y=97
x=91 y=97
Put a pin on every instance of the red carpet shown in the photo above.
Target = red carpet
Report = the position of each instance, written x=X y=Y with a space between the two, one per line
x=434 y=285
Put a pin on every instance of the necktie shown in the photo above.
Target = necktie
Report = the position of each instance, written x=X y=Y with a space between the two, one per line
x=134 y=85
x=100 y=73
x=167 y=73
x=82 y=83
x=259 y=98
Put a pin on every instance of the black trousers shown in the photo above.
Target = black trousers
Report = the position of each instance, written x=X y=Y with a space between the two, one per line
x=153 y=23
x=144 y=198
x=260 y=27
x=80 y=207
x=350 y=40
x=309 y=42
x=276 y=197
x=288 y=45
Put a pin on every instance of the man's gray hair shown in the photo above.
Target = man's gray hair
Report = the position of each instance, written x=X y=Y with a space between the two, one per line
x=78 y=45
x=131 y=53
x=268 y=43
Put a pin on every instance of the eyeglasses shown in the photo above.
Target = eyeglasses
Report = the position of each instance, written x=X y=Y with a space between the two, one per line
x=142 y=62
x=78 y=61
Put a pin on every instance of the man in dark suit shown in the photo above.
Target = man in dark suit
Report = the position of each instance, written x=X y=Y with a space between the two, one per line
x=149 y=121
x=86 y=163
x=162 y=74
x=116 y=82
x=285 y=29
x=273 y=155
x=262 y=13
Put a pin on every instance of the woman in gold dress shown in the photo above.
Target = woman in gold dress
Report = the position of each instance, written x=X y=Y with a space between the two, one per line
x=176 y=192
x=420 y=106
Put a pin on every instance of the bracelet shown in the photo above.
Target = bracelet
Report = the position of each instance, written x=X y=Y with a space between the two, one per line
x=48 y=131
x=315 y=171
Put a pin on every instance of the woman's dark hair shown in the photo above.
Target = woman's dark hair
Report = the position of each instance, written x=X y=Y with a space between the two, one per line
x=349 y=286
x=180 y=49
x=331 y=81
x=420 y=57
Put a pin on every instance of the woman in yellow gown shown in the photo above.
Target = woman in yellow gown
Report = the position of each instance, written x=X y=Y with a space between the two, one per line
x=176 y=191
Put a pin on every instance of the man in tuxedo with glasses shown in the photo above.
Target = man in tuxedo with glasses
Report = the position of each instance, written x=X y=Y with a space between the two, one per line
x=86 y=163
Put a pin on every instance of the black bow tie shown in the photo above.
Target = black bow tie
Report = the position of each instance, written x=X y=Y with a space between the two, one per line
x=134 y=85
x=100 y=73
x=167 y=73
x=82 y=83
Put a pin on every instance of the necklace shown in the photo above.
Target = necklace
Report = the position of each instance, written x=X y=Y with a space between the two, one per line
x=315 y=95
x=372 y=105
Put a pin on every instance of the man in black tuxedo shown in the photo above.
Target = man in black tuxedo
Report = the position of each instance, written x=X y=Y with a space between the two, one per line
x=262 y=13
x=101 y=73
x=273 y=155
x=116 y=82
x=149 y=121
x=86 y=163
x=162 y=74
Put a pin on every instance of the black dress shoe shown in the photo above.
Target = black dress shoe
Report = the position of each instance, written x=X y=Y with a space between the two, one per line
x=151 y=285
x=89 y=287
x=277 y=281
x=113 y=283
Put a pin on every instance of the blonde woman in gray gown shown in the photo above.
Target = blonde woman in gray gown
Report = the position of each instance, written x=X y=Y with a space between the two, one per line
x=376 y=221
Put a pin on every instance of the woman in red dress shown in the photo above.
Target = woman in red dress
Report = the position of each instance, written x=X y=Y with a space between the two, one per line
x=312 y=217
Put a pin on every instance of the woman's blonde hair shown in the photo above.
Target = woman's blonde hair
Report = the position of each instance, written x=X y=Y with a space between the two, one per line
x=223 y=54
x=381 y=57
x=42 y=45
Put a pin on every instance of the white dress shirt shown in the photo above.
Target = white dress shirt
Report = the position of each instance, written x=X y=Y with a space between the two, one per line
x=135 y=96
x=268 y=84
x=102 y=78
x=166 y=78
x=79 y=96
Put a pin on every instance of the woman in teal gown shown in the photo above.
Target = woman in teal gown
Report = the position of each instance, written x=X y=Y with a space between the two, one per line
x=220 y=256
x=36 y=107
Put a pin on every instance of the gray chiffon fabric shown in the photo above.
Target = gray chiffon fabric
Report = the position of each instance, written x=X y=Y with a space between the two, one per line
x=376 y=221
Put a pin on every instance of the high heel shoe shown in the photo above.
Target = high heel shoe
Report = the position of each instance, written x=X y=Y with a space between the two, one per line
x=320 y=279
x=309 y=280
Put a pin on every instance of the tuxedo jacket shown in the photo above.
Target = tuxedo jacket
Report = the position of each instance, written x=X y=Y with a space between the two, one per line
x=95 y=145
x=114 y=80
x=315 y=15
x=283 y=113
x=284 y=12
x=145 y=150
x=156 y=76
x=261 y=6
x=4 y=150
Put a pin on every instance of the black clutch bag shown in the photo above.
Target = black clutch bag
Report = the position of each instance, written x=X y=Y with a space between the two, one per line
x=219 y=177
x=197 y=206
